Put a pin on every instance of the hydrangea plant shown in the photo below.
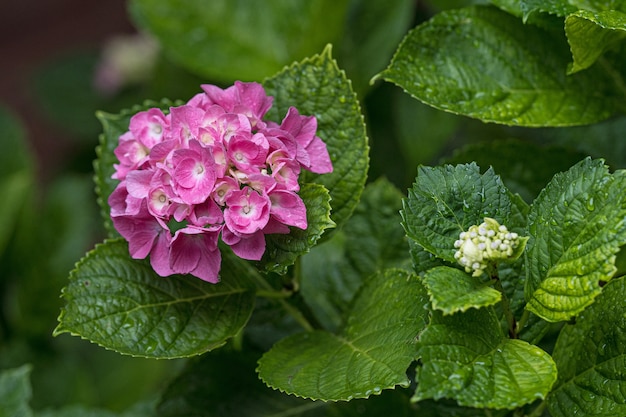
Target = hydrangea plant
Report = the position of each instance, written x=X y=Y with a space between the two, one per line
x=492 y=287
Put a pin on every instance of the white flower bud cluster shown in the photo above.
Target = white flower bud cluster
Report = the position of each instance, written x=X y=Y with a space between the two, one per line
x=484 y=244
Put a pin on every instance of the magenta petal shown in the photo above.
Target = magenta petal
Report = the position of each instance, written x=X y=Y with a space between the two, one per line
x=140 y=232
x=209 y=266
x=319 y=158
x=160 y=256
x=185 y=252
x=253 y=96
x=250 y=247
x=138 y=183
x=288 y=208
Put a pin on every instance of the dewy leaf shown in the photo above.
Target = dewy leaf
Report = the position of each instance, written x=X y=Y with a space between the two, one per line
x=556 y=7
x=484 y=63
x=113 y=126
x=590 y=34
x=122 y=305
x=466 y=357
x=576 y=227
x=447 y=200
x=452 y=290
x=15 y=392
x=240 y=39
x=371 y=354
x=282 y=250
x=316 y=86
x=371 y=240
x=591 y=359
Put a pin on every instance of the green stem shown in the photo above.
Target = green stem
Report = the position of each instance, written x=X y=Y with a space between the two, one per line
x=506 y=306
x=522 y=321
x=266 y=290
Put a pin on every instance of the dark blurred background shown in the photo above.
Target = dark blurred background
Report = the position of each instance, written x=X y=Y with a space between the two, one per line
x=36 y=33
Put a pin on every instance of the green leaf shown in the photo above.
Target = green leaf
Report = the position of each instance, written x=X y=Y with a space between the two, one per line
x=524 y=167
x=565 y=7
x=590 y=34
x=283 y=250
x=371 y=240
x=484 y=63
x=576 y=228
x=591 y=359
x=242 y=39
x=447 y=200
x=224 y=384
x=113 y=126
x=15 y=392
x=371 y=354
x=452 y=290
x=466 y=357
x=556 y=7
x=316 y=86
x=16 y=174
x=123 y=305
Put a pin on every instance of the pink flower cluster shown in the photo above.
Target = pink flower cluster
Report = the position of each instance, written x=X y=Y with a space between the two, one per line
x=209 y=168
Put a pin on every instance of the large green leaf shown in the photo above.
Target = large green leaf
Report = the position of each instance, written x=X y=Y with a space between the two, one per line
x=466 y=357
x=371 y=240
x=591 y=359
x=590 y=34
x=240 y=39
x=452 y=290
x=371 y=354
x=123 y=305
x=484 y=63
x=576 y=227
x=15 y=392
x=447 y=200
x=316 y=86
x=283 y=250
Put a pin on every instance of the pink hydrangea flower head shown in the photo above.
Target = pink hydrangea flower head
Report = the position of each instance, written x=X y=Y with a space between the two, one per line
x=212 y=169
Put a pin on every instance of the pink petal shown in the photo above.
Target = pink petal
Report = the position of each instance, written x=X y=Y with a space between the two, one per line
x=288 y=208
x=250 y=247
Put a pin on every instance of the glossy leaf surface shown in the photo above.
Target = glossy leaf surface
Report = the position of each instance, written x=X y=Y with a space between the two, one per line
x=372 y=353
x=591 y=359
x=123 y=305
x=447 y=200
x=484 y=63
x=576 y=229
x=466 y=357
